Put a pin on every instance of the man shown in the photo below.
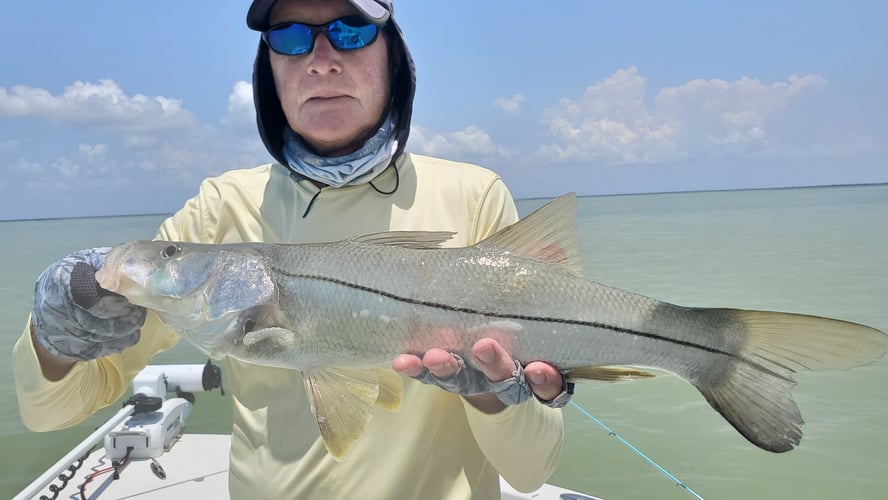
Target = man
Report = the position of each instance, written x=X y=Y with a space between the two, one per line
x=333 y=88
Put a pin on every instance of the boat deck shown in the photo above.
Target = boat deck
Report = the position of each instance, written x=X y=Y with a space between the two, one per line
x=197 y=467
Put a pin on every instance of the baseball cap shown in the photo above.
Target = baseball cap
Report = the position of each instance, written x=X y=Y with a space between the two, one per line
x=374 y=11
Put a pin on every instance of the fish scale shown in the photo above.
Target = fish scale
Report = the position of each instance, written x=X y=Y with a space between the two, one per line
x=418 y=310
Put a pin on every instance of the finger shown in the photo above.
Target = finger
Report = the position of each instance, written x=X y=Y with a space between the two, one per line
x=409 y=365
x=440 y=363
x=493 y=360
x=545 y=380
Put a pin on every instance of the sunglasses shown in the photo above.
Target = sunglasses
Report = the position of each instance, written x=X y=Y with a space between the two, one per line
x=345 y=33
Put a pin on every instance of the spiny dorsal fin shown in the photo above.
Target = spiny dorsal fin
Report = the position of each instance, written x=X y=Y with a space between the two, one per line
x=417 y=240
x=548 y=234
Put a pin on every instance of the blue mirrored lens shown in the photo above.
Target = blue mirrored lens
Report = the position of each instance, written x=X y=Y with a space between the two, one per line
x=293 y=39
x=345 y=36
x=347 y=33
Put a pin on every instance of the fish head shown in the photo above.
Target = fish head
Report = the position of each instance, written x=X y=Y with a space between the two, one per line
x=157 y=274
x=207 y=293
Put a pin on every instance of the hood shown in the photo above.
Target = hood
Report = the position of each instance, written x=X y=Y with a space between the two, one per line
x=270 y=116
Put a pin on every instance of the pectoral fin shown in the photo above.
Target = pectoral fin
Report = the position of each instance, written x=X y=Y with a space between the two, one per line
x=342 y=400
x=281 y=336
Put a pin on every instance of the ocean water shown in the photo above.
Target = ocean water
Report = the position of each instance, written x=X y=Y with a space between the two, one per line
x=821 y=251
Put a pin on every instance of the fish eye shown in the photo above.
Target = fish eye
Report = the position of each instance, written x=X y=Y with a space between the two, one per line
x=170 y=251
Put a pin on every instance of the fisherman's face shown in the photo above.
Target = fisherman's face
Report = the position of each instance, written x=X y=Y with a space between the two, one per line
x=333 y=99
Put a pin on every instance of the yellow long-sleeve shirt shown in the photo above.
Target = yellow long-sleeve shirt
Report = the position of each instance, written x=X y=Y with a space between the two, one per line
x=436 y=446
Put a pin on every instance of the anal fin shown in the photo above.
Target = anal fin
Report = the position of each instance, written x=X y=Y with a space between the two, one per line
x=391 y=389
x=606 y=374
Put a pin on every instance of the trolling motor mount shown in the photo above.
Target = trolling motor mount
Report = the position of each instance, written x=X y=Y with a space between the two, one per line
x=158 y=422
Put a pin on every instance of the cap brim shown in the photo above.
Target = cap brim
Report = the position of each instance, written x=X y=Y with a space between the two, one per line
x=260 y=10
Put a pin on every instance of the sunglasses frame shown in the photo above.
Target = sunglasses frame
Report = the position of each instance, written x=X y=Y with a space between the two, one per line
x=317 y=29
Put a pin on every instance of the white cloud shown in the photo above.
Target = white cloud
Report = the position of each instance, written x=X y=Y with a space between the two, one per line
x=427 y=142
x=97 y=151
x=240 y=106
x=717 y=112
x=611 y=122
x=150 y=142
x=512 y=105
x=96 y=104
x=26 y=167
x=140 y=140
x=475 y=140
x=99 y=140
x=608 y=123
x=66 y=167
x=472 y=141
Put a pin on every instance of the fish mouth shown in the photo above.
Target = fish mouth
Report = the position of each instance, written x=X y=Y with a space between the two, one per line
x=124 y=272
x=108 y=276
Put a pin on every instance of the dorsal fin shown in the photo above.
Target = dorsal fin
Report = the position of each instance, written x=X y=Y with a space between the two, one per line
x=417 y=240
x=548 y=234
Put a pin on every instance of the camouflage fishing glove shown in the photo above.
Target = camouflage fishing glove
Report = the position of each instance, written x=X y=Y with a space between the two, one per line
x=73 y=317
x=469 y=381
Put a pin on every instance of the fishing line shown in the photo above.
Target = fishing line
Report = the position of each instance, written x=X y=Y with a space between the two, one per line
x=637 y=451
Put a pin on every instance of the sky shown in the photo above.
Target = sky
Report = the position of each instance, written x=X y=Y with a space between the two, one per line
x=111 y=107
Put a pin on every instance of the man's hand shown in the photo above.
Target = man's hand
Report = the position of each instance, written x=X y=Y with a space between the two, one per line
x=73 y=331
x=494 y=362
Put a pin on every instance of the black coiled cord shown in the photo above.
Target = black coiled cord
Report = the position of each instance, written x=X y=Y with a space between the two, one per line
x=64 y=478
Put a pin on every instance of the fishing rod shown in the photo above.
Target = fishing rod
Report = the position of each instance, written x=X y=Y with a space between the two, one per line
x=638 y=452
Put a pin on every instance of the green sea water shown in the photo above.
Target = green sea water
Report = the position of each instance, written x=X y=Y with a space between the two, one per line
x=821 y=251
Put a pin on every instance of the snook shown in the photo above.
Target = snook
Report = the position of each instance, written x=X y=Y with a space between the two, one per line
x=340 y=312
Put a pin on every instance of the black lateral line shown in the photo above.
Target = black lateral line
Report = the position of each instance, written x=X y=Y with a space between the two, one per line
x=563 y=321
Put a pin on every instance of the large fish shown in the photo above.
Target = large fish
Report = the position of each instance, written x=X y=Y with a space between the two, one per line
x=340 y=312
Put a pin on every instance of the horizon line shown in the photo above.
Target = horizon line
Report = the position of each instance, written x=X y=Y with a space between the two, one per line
x=530 y=198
